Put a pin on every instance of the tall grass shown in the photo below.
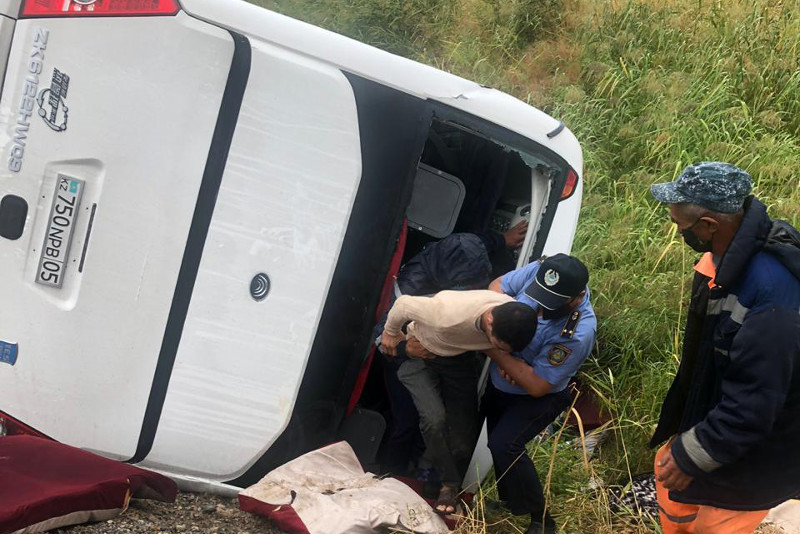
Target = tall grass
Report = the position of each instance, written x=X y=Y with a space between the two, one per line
x=648 y=87
x=663 y=86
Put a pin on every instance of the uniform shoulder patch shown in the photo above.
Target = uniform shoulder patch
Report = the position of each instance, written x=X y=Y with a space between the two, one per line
x=558 y=354
x=572 y=324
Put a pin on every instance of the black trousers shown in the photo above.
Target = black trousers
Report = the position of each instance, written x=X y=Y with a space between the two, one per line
x=512 y=421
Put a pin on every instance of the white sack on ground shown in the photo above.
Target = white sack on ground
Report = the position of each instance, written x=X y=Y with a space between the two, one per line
x=333 y=495
x=786 y=516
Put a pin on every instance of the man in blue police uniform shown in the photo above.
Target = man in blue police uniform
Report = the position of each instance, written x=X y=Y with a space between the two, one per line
x=528 y=390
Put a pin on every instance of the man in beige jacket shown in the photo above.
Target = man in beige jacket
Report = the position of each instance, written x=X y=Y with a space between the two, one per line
x=450 y=326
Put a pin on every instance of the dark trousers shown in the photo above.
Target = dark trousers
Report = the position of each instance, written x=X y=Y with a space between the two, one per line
x=404 y=443
x=445 y=392
x=512 y=421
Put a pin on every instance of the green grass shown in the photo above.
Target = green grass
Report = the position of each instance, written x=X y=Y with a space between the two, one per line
x=648 y=87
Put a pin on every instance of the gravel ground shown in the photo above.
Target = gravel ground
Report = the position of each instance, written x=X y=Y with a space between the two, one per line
x=194 y=513
x=191 y=513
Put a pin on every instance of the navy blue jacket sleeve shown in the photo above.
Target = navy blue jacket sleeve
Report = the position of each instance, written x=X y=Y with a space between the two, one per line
x=755 y=385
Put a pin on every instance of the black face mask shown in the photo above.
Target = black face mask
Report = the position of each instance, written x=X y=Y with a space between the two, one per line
x=691 y=239
x=558 y=313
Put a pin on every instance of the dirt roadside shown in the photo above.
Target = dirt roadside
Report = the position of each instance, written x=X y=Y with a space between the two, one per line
x=191 y=513
x=194 y=513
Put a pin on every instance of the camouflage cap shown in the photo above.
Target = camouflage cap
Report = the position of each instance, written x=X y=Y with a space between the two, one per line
x=712 y=185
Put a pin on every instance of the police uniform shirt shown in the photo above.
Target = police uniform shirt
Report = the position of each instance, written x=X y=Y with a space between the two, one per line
x=560 y=346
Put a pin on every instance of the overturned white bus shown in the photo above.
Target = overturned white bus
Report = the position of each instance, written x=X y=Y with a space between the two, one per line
x=199 y=202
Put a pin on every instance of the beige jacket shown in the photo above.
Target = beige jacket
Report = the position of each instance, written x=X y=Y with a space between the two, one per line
x=447 y=324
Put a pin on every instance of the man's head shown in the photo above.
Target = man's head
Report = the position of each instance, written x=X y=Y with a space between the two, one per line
x=511 y=326
x=559 y=286
x=706 y=203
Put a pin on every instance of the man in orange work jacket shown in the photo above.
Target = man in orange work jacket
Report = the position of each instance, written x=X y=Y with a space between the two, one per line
x=730 y=419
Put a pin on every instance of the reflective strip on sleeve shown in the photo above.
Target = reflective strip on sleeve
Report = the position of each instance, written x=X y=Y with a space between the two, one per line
x=697 y=453
x=729 y=304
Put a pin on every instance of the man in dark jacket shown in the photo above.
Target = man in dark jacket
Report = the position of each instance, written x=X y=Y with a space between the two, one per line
x=730 y=418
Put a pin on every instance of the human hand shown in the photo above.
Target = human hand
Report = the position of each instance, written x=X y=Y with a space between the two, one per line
x=389 y=343
x=515 y=236
x=497 y=356
x=414 y=349
x=507 y=377
x=671 y=475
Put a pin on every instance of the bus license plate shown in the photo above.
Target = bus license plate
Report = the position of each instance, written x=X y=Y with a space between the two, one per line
x=60 y=224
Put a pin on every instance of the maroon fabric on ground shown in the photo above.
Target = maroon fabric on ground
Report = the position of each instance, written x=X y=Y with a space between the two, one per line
x=282 y=516
x=42 y=479
x=592 y=413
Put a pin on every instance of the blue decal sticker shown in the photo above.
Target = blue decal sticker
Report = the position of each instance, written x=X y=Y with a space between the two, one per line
x=8 y=352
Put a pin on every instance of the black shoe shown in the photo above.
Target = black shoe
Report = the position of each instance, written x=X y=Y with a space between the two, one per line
x=430 y=482
x=431 y=489
x=539 y=528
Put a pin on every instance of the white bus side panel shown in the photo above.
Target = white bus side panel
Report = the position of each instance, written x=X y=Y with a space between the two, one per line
x=286 y=196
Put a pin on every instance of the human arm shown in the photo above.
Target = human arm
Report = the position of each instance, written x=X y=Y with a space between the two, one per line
x=513 y=238
x=406 y=308
x=512 y=283
x=520 y=372
x=755 y=383
x=496 y=284
x=410 y=348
